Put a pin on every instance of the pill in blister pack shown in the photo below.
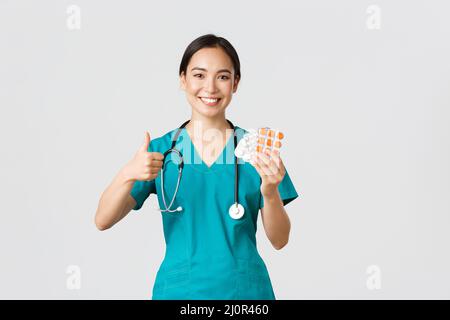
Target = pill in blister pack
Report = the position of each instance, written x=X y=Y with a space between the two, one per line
x=260 y=140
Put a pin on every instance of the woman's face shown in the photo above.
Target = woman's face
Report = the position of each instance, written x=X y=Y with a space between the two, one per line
x=209 y=81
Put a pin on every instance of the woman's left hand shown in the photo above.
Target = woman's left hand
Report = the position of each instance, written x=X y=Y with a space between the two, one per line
x=271 y=169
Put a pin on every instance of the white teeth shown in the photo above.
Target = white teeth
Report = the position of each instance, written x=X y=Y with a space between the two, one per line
x=209 y=100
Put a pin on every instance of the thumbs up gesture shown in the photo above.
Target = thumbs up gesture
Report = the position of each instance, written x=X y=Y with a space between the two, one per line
x=145 y=165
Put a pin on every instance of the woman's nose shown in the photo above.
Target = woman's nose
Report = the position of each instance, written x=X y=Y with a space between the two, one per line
x=210 y=85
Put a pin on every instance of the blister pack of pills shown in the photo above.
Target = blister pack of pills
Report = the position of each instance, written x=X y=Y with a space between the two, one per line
x=259 y=140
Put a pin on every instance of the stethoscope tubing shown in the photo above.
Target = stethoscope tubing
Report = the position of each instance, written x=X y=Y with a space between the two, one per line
x=181 y=165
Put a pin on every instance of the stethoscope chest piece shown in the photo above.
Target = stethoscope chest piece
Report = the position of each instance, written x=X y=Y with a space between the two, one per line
x=236 y=212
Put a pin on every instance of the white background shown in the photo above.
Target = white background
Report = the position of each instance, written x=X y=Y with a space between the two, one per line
x=365 y=112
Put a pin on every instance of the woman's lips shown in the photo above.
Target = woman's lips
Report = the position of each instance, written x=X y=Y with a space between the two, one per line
x=211 y=102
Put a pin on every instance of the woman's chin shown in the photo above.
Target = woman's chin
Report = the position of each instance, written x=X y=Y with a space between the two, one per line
x=208 y=111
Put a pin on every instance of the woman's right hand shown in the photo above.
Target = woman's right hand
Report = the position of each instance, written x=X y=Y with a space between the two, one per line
x=145 y=165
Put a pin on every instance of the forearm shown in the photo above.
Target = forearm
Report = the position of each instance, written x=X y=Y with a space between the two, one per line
x=276 y=221
x=113 y=200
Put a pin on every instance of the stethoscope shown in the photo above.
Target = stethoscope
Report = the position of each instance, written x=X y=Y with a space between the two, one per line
x=236 y=210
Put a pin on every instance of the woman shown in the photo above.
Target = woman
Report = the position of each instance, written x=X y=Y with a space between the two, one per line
x=211 y=250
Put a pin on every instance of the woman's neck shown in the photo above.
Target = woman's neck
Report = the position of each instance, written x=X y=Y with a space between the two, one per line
x=199 y=126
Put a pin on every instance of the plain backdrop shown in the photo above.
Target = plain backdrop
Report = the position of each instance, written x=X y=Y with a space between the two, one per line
x=360 y=88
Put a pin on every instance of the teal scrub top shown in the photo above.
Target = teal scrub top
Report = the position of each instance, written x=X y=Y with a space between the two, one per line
x=209 y=255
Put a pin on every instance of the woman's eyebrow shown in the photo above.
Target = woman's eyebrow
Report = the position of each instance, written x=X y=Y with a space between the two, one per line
x=203 y=69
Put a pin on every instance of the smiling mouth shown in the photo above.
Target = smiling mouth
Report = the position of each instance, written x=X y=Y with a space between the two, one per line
x=210 y=101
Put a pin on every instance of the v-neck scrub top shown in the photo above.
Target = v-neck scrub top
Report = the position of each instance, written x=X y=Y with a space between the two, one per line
x=209 y=255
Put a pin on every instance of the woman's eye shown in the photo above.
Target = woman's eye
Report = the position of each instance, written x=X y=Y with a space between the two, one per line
x=198 y=75
x=224 y=77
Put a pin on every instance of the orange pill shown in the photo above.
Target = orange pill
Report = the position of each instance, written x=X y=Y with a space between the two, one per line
x=277 y=144
x=263 y=131
x=271 y=133
x=258 y=148
x=280 y=135
x=261 y=140
x=269 y=142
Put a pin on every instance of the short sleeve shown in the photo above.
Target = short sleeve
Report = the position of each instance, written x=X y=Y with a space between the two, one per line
x=142 y=189
x=140 y=192
x=286 y=189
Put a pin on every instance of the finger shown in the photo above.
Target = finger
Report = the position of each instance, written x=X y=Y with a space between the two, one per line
x=155 y=162
x=155 y=166
x=272 y=159
x=150 y=161
x=265 y=159
x=150 y=157
x=255 y=164
x=154 y=170
x=149 y=177
x=272 y=165
x=146 y=143
x=157 y=156
x=275 y=155
x=265 y=166
x=280 y=163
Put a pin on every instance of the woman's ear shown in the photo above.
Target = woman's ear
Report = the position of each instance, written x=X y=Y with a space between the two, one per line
x=235 y=84
x=182 y=81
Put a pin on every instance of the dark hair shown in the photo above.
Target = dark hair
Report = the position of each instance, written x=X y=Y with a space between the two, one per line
x=210 y=41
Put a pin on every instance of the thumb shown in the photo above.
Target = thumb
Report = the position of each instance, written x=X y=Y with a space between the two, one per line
x=144 y=146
